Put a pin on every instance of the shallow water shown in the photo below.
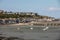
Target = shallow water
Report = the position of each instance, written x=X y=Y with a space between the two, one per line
x=26 y=33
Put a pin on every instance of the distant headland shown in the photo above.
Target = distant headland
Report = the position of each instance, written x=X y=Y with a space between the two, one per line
x=27 y=18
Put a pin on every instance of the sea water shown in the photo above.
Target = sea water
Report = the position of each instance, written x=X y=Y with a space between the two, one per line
x=30 y=32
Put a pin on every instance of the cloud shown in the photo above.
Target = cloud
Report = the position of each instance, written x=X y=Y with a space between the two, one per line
x=53 y=9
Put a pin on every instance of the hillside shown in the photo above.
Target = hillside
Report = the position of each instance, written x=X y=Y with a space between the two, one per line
x=5 y=14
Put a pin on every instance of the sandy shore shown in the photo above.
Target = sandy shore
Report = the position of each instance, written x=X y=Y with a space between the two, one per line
x=21 y=24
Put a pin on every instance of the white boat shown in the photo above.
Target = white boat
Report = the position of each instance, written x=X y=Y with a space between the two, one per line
x=46 y=28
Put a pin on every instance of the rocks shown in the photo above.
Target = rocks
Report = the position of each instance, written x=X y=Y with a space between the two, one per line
x=10 y=38
x=1 y=38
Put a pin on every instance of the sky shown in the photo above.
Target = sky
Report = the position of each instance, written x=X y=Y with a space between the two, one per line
x=42 y=7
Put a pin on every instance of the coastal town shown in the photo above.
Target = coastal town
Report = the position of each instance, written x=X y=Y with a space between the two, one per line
x=27 y=18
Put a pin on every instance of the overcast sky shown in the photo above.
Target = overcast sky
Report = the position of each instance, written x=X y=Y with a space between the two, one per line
x=43 y=7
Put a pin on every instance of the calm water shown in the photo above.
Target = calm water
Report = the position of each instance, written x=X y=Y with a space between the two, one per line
x=30 y=32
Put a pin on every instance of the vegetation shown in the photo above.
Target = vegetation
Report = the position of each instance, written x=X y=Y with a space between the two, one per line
x=17 y=15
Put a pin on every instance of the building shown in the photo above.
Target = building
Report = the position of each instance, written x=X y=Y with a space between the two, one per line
x=27 y=13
